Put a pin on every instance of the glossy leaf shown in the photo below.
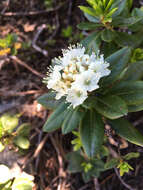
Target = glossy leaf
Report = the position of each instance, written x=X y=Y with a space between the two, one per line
x=88 y=10
x=118 y=62
x=135 y=71
x=121 y=4
x=22 y=142
x=130 y=91
x=48 y=100
x=111 y=106
x=56 y=119
x=9 y=122
x=107 y=35
x=92 y=133
x=72 y=119
x=88 y=26
x=92 y=42
x=24 y=129
x=135 y=108
x=126 y=130
x=92 y=18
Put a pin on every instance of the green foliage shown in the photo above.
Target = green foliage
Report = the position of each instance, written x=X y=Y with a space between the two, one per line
x=11 y=133
x=9 y=182
x=67 y=32
x=115 y=28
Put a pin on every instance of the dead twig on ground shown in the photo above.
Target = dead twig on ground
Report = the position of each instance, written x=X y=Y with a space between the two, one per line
x=122 y=181
x=34 y=45
x=32 y=13
x=96 y=184
x=6 y=6
x=16 y=59
x=14 y=93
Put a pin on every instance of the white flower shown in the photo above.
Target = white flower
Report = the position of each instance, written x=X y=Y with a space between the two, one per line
x=87 y=80
x=76 y=96
x=76 y=73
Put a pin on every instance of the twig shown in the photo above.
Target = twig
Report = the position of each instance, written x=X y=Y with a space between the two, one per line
x=122 y=181
x=32 y=13
x=69 y=11
x=115 y=155
x=96 y=184
x=14 y=93
x=26 y=66
x=6 y=6
x=40 y=146
x=34 y=45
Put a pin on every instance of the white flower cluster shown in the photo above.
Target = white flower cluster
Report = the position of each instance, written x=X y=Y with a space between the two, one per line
x=76 y=73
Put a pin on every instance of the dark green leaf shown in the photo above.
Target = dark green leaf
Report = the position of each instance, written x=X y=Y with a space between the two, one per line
x=111 y=106
x=56 y=118
x=75 y=161
x=126 y=130
x=112 y=163
x=131 y=155
x=135 y=108
x=124 y=39
x=24 y=129
x=92 y=42
x=135 y=71
x=48 y=100
x=121 y=4
x=92 y=133
x=107 y=35
x=88 y=26
x=118 y=62
x=72 y=119
x=130 y=91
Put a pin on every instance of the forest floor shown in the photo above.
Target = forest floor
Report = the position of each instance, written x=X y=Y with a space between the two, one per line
x=44 y=27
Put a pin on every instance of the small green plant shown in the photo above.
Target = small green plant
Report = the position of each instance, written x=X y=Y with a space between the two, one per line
x=11 y=133
x=8 y=181
x=9 y=45
x=99 y=82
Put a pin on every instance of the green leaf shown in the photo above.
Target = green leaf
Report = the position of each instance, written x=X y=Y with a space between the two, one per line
x=88 y=10
x=9 y=122
x=126 y=22
x=130 y=91
x=112 y=163
x=124 y=39
x=131 y=155
x=126 y=130
x=48 y=100
x=72 y=119
x=92 y=133
x=121 y=4
x=24 y=129
x=92 y=42
x=88 y=26
x=135 y=71
x=135 y=108
x=22 y=142
x=75 y=161
x=2 y=147
x=118 y=62
x=111 y=106
x=92 y=18
x=56 y=119
x=107 y=35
